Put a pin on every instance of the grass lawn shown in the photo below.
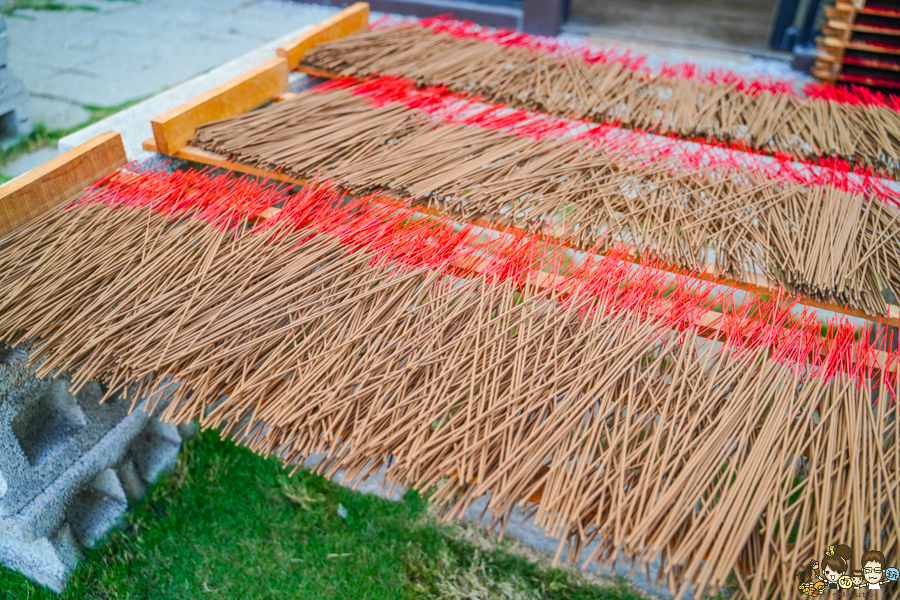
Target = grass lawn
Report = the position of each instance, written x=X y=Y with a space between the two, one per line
x=12 y=6
x=229 y=524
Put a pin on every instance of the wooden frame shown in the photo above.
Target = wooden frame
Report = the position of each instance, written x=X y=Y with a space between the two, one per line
x=59 y=180
x=225 y=100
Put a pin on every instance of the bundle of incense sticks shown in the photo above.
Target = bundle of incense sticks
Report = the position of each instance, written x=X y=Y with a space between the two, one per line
x=606 y=393
x=440 y=102
x=826 y=234
x=518 y=72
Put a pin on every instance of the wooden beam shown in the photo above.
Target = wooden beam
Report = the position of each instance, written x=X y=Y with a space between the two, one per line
x=58 y=180
x=174 y=129
x=313 y=72
x=340 y=25
x=205 y=157
x=836 y=43
x=863 y=28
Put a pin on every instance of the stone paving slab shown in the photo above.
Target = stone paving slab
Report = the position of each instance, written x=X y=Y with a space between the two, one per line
x=133 y=123
x=23 y=164
x=57 y=114
x=129 y=50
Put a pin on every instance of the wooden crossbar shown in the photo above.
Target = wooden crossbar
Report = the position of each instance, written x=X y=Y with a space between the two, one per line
x=173 y=129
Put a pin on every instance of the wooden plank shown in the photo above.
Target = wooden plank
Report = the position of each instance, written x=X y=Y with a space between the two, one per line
x=863 y=10
x=837 y=53
x=870 y=81
x=759 y=283
x=863 y=28
x=830 y=58
x=174 y=129
x=887 y=65
x=839 y=12
x=206 y=157
x=836 y=43
x=823 y=75
x=312 y=72
x=60 y=179
x=830 y=32
x=340 y=25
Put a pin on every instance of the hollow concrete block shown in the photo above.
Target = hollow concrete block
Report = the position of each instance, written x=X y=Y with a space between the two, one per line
x=69 y=467
x=44 y=429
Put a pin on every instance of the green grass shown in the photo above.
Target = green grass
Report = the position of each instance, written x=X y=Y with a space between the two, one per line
x=41 y=137
x=13 y=5
x=229 y=524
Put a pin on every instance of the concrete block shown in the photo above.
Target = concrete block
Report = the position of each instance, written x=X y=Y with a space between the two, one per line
x=44 y=430
x=47 y=561
x=14 y=370
x=97 y=508
x=134 y=486
x=155 y=450
x=65 y=547
x=188 y=431
x=46 y=512
x=69 y=466
x=41 y=426
x=44 y=540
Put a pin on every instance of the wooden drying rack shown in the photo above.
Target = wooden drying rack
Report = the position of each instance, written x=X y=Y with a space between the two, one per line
x=68 y=175
x=173 y=130
x=837 y=38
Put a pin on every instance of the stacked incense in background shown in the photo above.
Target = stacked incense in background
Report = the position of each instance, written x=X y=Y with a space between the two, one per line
x=860 y=44
x=487 y=299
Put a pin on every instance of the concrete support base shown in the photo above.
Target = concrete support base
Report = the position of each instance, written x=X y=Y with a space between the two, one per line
x=69 y=467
